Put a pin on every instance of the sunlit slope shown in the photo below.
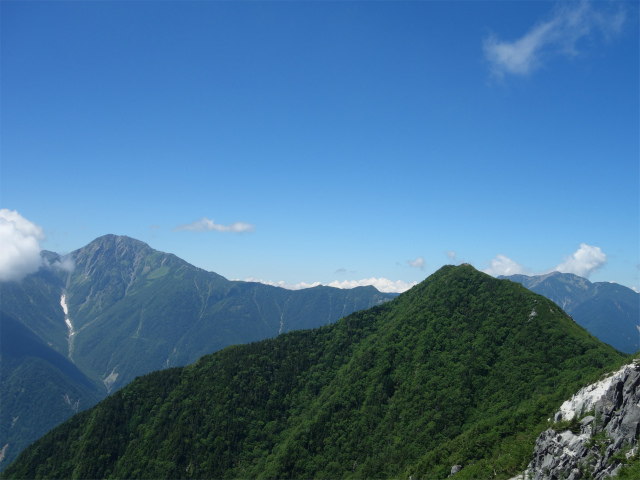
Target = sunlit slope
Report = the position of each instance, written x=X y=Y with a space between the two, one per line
x=462 y=369
x=608 y=310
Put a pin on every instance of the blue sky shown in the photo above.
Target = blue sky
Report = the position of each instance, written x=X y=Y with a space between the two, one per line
x=349 y=142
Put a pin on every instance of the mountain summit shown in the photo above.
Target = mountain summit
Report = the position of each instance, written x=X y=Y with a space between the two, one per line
x=119 y=309
x=461 y=371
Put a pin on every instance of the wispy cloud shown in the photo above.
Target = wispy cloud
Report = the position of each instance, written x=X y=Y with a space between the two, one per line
x=206 y=225
x=382 y=284
x=417 y=263
x=65 y=264
x=19 y=246
x=557 y=36
x=584 y=261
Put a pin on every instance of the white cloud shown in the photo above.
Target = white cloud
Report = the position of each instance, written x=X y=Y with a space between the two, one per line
x=19 y=246
x=382 y=284
x=586 y=260
x=583 y=262
x=559 y=35
x=635 y=289
x=417 y=263
x=281 y=284
x=503 y=265
x=451 y=254
x=65 y=263
x=206 y=225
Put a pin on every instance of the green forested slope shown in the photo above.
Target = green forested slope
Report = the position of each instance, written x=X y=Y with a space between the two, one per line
x=608 y=310
x=462 y=369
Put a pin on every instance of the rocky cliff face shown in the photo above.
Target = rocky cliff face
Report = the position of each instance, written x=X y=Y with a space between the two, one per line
x=604 y=422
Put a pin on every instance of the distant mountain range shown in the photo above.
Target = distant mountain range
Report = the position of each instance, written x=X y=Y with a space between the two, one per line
x=116 y=309
x=457 y=376
x=131 y=310
x=609 y=311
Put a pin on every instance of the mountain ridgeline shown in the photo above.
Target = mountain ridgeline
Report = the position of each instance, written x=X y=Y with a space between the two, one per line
x=608 y=310
x=130 y=304
x=462 y=370
x=130 y=310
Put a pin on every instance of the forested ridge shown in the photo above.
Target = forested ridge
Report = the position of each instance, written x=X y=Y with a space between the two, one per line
x=463 y=369
x=607 y=310
x=132 y=310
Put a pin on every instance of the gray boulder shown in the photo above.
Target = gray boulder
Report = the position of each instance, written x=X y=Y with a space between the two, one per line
x=586 y=451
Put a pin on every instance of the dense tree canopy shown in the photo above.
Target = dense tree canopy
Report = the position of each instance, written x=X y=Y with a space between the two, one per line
x=462 y=369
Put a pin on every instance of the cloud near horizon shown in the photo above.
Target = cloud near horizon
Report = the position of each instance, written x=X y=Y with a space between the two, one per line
x=557 y=36
x=19 y=246
x=503 y=265
x=206 y=225
x=281 y=284
x=382 y=284
x=583 y=262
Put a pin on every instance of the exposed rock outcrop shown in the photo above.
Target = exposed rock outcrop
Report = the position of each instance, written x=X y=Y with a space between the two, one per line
x=610 y=426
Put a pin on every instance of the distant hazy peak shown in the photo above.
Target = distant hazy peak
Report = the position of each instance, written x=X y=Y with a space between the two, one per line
x=531 y=281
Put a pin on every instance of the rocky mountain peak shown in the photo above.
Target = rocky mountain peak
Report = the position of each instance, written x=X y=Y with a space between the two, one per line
x=604 y=420
x=111 y=247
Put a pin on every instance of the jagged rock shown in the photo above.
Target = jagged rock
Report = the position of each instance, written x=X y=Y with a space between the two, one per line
x=575 y=474
x=587 y=420
x=614 y=426
x=455 y=469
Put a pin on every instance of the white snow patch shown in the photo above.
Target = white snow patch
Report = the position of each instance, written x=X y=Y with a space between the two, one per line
x=64 y=304
x=585 y=399
x=70 y=327
x=66 y=316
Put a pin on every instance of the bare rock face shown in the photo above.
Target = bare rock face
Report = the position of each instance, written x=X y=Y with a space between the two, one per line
x=586 y=449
